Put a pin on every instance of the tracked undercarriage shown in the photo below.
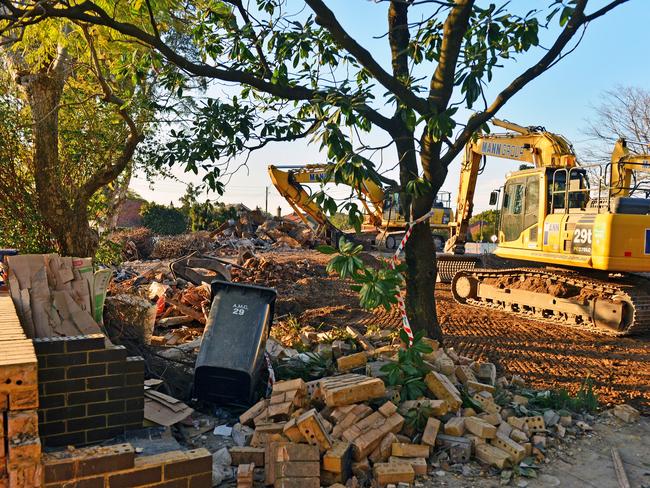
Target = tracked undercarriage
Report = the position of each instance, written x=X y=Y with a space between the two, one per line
x=614 y=306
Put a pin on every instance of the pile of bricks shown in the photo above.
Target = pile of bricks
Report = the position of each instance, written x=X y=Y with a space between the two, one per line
x=20 y=447
x=88 y=392
x=326 y=432
x=117 y=466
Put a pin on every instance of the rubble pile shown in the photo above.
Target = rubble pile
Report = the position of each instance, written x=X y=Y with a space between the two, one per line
x=165 y=247
x=351 y=429
x=269 y=272
x=136 y=243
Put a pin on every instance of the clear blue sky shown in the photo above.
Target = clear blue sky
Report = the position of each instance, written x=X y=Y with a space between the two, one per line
x=614 y=51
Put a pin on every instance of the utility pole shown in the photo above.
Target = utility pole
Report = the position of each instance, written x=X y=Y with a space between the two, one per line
x=266 y=201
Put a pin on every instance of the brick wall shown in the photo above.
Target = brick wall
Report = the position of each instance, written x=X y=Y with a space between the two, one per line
x=118 y=467
x=20 y=447
x=88 y=392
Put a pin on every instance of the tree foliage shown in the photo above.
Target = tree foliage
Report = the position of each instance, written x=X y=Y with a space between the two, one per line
x=298 y=73
x=163 y=220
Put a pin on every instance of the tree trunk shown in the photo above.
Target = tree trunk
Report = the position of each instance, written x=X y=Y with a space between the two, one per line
x=69 y=224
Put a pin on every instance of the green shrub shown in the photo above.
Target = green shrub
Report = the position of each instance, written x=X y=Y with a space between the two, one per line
x=163 y=220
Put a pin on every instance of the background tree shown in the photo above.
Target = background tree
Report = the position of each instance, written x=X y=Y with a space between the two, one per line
x=489 y=219
x=622 y=113
x=303 y=74
x=163 y=220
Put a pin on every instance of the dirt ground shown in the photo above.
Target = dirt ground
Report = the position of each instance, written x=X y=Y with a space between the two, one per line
x=546 y=355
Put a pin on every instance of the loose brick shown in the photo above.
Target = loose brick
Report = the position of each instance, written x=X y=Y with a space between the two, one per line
x=492 y=455
x=516 y=452
x=311 y=427
x=455 y=426
x=247 y=417
x=419 y=464
x=247 y=455
x=431 y=431
x=401 y=449
x=626 y=413
x=443 y=389
x=393 y=473
x=297 y=469
x=352 y=361
x=438 y=408
x=486 y=401
x=465 y=374
x=480 y=428
x=476 y=386
x=339 y=458
x=286 y=452
x=351 y=388
x=262 y=433
x=387 y=409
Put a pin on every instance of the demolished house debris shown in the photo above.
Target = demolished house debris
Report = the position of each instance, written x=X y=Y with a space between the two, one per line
x=330 y=418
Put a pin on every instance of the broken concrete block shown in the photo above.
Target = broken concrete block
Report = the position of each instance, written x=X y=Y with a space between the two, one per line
x=402 y=450
x=455 y=426
x=311 y=427
x=492 y=455
x=242 y=435
x=459 y=448
x=352 y=361
x=431 y=431
x=566 y=420
x=387 y=473
x=504 y=429
x=374 y=369
x=487 y=373
x=480 y=428
x=626 y=413
x=350 y=388
x=551 y=418
x=443 y=389
x=419 y=465
x=516 y=451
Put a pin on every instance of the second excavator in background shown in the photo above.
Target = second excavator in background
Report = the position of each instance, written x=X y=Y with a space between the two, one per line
x=384 y=213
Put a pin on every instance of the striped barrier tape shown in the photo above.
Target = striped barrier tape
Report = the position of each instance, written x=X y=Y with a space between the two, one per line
x=393 y=262
x=269 y=366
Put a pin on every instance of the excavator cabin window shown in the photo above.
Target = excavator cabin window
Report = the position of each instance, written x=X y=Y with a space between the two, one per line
x=520 y=206
x=560 y=199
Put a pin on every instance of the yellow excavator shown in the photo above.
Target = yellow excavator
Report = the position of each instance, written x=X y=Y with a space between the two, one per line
x=383 y=209
x=583 y=246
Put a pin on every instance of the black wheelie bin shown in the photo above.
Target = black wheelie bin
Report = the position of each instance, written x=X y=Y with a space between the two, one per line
x=231 y=357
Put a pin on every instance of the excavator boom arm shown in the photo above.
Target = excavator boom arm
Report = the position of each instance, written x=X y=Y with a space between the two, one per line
x=528 y=145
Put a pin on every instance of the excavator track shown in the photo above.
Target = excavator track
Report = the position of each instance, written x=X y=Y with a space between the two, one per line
x=619 y=306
